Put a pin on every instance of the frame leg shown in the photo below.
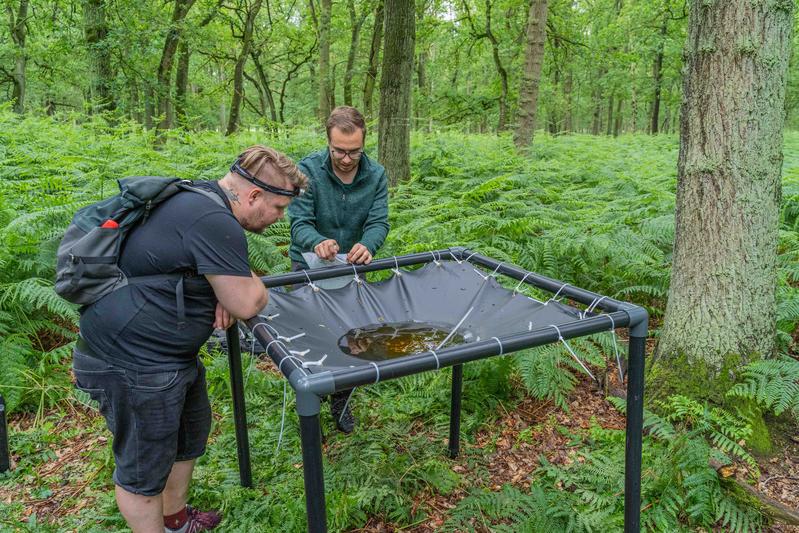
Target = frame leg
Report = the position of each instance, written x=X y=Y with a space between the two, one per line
x=635 y=417
x=239 y=409
x=311 y=437
x=5 y=463
x=455 y=411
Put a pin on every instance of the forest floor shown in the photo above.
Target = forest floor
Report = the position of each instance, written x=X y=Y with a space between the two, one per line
x=518 y=440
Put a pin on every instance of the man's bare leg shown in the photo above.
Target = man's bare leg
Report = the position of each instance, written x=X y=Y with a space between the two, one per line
x=176 y=491
x=144 y=514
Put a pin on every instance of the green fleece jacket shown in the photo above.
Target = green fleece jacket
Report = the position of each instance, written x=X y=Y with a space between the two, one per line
x=329 y=209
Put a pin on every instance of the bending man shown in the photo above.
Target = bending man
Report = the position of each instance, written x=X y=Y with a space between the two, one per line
x=141 y=364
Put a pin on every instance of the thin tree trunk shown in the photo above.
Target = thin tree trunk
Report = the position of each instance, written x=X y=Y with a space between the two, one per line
x=355 y=37
x=502 y=122
x=238 y=71
x=721 y=308
x=617 y=122
x=96 y=33
x=609 y=125
x=324 y=59
x=265 y=90
x=531 y=75
x=164 y=73
x=657 y=75
x=567 y=91
x=17 y=23
x=596 y=123
x=182 y=82
x=374 y=58
x=395 y=89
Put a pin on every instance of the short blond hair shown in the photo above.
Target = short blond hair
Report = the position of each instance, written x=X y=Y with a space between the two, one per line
x=255 y=160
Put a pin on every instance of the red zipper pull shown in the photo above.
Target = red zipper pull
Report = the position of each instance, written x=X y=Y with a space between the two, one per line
x=110 y=223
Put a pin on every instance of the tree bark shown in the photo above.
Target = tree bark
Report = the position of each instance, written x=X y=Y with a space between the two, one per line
x=19 y=33
x=238 y=71
x=721 y=307
x=182 y=82
x=265 y=92
x=502 y=122
x=531 y=75
x=164 y=73
x=324 y=59
x=617 y=122
x=395 y=89
x=96 y=33
x=374 y=59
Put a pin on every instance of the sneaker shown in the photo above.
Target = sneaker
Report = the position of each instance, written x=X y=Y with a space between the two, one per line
x=198 y=521
x=340 y=410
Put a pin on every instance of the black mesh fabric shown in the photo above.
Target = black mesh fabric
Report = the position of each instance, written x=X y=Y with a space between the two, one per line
x=436 y=294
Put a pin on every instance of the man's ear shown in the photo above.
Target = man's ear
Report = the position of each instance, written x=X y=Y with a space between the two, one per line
x=254 y=194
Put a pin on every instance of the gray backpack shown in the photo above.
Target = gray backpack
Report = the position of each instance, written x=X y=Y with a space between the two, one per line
x=87 y=259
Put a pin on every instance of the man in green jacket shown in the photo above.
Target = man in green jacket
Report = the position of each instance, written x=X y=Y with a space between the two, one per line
x=344 y=210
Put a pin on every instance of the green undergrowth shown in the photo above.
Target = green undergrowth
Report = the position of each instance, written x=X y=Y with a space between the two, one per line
x=594 y=212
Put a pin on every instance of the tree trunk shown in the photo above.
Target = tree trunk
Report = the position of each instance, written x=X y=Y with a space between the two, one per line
x=17 y=23
x=567 y=92
x=721 y=308
x=324 y=59
x=503 y=74
x=182 y=82
x=395 y=89
x=164 y=73
x=265 y=90
x=96 y=32
x=374 y=57
x=531 y=75
x=355 y=37
x=238 y=71
x=657 y=75
x=609 y=125
x=617 y=122
x=596 y=122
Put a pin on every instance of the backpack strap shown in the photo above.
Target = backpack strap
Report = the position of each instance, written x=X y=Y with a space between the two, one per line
x=179 y=287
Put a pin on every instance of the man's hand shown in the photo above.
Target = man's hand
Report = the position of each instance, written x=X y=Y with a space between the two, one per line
x=326 y=249
x=223 y=319
x=359 y=255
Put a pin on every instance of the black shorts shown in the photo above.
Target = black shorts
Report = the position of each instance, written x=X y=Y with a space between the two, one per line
x=156 y=418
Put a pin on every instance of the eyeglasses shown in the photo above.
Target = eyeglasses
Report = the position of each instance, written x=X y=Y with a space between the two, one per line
x=241 y=171
x=339 y=153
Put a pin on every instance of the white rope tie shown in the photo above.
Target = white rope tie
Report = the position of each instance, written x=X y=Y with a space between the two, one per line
x=436 y=261
x=396 y=269
x=451 y=333
x=282 y=418
x=574 y=355
x=616 y=347
x=492 y=275
x=594 y=304
x=318 y=362
x=377 y=371
x=438 y=363
x=470 y=256
x=520 y=283
x=501 y=350
x=269 y=317
x=356 y=277
x=556 y=294
x=459 y=261
x=289 y=339
x=311 y=283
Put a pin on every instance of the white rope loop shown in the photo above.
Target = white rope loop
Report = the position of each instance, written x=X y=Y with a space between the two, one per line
x=436 y=260
x=377 y=371
x=501 y=349
x=454 y=258
x=616 y=348
x=571 y=352
x=396 y=269
x=311 y=283
x=438 y=363
x=555 y=297
x=516 y=290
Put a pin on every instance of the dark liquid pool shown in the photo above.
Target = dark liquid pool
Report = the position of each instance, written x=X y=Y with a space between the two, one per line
x=387 y=341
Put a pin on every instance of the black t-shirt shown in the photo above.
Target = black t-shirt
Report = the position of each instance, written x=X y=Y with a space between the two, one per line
x=136 y=326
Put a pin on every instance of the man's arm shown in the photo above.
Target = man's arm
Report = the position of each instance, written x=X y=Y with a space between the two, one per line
x=376 y=227
x=241 y=297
